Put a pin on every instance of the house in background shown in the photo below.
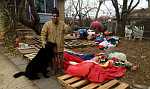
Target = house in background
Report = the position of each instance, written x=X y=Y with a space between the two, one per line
x=44 y=8
x=141 y=17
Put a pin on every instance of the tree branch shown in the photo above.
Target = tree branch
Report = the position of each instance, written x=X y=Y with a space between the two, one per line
x=89 y=11
x=129 y=7
x=124 y=9
x=115 y=4
x=134 y=6
x=99 y=5
x=75 y=6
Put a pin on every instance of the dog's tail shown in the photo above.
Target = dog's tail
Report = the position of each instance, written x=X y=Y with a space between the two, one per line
x=19 y=74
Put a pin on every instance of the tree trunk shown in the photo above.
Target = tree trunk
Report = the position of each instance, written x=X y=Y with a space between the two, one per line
x=148 y=3
x=122 y=17
x=123 y=23
x=119 y=27
x=80 y=20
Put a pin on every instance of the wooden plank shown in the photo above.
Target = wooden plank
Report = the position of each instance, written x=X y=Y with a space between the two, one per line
x=64 y=77
x=31 y=47
x=90 y=86
x=38 y=46
x=62 y=80
x=24 y=29
x=79 y=83
x=108 y=84
x=30 y=56
x=35 y=47
x=71 y=80
x=122 y=86
x=27 y=51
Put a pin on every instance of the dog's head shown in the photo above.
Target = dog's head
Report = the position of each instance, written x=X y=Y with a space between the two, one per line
x=51 y=46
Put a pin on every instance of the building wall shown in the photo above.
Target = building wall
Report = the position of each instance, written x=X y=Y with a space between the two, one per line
x=47 y=16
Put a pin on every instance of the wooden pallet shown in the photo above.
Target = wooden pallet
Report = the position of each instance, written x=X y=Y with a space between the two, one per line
x=70 y=82
x=28 y=50
x=38 y=46
x=30 y=56
x=78 y=44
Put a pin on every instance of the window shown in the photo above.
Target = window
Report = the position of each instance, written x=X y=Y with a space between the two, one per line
x=44 y=6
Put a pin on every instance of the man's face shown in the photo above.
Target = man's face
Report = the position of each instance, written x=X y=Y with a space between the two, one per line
x=55 y=18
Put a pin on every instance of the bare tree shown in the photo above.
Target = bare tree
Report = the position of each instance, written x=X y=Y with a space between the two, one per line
x=98 y=8
x=82 y=9
x=121 y=16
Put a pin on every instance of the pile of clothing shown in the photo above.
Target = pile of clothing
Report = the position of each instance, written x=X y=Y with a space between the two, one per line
x=106 y=42
x=71 y=56
x=102 y=67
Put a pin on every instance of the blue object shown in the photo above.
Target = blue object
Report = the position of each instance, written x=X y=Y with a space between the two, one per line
x=83 y=32
x=99 y=39
x=87 y=56
x=112 y=41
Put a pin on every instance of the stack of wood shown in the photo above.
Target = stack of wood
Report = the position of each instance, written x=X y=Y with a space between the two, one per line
x=32 y=49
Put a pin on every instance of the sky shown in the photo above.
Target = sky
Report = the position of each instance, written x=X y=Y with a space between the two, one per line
x=106 y=8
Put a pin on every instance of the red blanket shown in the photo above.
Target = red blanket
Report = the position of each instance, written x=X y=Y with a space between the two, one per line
x=68 y=57
x=94 y=72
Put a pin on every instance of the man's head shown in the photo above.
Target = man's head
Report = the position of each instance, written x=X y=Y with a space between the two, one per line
x=55 y=15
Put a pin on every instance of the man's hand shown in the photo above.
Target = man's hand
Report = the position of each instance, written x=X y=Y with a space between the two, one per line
x=43 y=44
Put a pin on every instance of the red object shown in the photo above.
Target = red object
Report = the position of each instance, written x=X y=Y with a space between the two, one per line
x=68 y=57
x=97 y=26
x=100 y=74
x=80 y=70
x=107 y=33
x=94 y=72
x=100 y=46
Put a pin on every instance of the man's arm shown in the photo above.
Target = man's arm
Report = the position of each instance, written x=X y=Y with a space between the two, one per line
x=44 y=35
x=67 y=28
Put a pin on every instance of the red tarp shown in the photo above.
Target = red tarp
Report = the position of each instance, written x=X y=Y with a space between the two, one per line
x=94 y=72
x=68 y=57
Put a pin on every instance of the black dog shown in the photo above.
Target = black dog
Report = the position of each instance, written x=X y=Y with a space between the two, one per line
x=39 y=63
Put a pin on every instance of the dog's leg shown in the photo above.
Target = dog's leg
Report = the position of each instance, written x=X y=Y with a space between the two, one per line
x=32 y=76
x=45 y=72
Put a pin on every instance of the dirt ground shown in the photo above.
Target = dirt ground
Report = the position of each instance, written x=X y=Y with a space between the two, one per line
x=137 y=52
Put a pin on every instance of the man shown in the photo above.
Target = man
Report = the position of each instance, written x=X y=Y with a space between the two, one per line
x=53 y=31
